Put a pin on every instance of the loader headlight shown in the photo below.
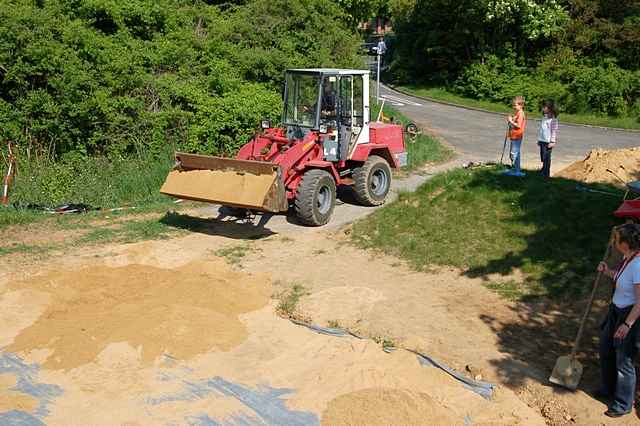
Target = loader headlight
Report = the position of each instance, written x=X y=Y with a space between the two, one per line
x=323 y=128
x=265 y=124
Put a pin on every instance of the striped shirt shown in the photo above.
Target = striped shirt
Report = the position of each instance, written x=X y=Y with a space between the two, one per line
x=548 y=132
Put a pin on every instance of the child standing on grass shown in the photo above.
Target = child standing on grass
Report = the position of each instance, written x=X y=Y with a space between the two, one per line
x=547 y=135
x=517 y=124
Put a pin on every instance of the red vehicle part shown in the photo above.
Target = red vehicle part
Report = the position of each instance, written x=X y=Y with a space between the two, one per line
x=297 y=156
x=271 y=172
x=629 y=209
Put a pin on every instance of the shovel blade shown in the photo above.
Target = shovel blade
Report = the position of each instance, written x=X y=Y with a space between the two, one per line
x=566 y=373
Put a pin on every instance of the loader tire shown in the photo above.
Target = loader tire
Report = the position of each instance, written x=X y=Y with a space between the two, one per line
x=372 y=181
x=315 y=198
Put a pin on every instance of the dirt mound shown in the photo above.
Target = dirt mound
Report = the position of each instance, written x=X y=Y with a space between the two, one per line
x=379 y=406
x=624 y=162
x=180 y=312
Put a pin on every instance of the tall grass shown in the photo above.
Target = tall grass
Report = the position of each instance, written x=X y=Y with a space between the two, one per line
x=97 y=181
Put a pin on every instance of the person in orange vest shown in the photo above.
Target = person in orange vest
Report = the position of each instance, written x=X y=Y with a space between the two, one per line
x=517 y=124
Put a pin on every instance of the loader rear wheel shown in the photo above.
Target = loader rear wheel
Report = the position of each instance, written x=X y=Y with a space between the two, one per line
x=315 y=198
x=372 y=181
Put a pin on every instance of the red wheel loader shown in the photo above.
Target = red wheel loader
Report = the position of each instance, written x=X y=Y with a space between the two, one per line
x=326 y=140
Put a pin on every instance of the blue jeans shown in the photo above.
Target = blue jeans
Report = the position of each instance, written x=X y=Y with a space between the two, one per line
x=616 y=360
x=515 y=155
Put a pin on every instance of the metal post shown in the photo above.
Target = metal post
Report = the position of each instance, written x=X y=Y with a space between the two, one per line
x=378 y=80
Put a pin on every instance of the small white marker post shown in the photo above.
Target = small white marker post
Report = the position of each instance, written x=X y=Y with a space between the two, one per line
x=378 y=78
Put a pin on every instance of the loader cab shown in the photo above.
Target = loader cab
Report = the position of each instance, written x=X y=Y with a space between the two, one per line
x=333 y=102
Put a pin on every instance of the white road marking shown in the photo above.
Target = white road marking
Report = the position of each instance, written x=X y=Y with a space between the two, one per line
x=400 y=101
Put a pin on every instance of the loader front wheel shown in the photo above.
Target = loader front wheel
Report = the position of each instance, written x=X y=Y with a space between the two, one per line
x=372 y=181
x=315 y=198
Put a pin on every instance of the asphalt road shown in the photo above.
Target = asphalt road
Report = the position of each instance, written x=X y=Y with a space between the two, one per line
x=479 y=136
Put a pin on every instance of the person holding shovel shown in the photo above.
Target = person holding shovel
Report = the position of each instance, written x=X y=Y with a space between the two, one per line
x=517 y=124
x=619 y=333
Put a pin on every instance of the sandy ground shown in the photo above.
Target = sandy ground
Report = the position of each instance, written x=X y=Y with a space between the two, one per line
x=166 y=332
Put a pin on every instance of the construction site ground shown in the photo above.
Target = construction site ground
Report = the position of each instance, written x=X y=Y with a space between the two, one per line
x=186 y=331
x=193 y=328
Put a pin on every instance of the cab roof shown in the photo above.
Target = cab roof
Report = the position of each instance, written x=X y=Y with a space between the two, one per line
x=332 y=71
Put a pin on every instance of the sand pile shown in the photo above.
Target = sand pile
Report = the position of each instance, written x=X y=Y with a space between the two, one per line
x=379 y=406
x=624 y=162
x=181 y=312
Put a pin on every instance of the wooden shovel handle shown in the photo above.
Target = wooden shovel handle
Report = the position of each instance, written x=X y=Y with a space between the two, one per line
x=587 y=311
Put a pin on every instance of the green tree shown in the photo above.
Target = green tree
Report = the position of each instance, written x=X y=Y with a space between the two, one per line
x=358 y=11
x=105 y=77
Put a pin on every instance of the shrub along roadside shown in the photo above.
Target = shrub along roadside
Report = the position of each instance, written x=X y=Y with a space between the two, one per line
x=486 y=223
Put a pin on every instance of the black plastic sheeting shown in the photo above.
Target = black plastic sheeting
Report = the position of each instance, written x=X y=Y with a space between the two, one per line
x=483 y=389
x=59 y=209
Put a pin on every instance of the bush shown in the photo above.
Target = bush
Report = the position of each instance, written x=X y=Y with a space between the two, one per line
x=601 y=89
x=100 y=77
x=500 y=80
x=577 y=88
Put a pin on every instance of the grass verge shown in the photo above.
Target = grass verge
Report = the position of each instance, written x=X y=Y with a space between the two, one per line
x=24 y=248
x=234 y=254
x=289 y=300
x=498 y=227
x=87 y=231
x=423 y=150
x=441 y=94
x=129 y=231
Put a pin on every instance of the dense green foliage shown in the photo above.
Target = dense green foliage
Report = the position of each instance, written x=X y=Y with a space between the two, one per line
x=583 y=53
x=84 y=77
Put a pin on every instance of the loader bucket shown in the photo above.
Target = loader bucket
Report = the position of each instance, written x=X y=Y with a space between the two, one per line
x=255 y=185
